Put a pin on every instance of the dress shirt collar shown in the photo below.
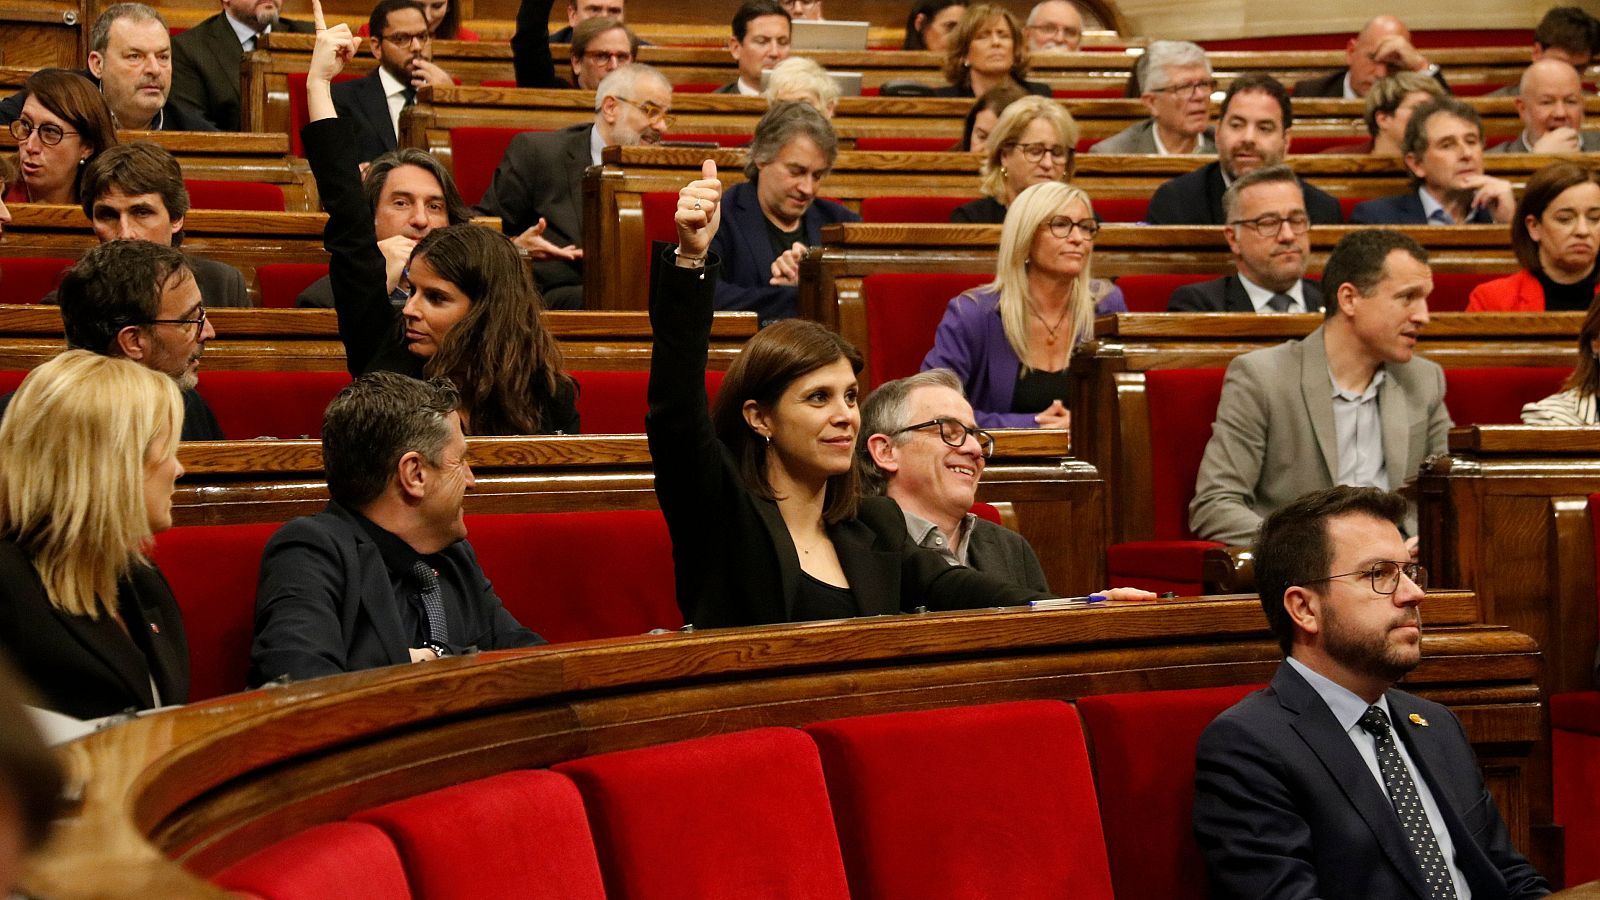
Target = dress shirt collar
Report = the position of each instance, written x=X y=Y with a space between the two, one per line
x=399 y=557
x=1342 y=702
x=926 y=534
x=245 y=33
x=391 y=84
x=1432 y=209
x=1260 y=295
x=596 y=144
x=1340 y=393
x=746 y=90
x=1349 y=92
x=1201 y=145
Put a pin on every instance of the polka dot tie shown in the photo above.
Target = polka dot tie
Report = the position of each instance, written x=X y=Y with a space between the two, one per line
x=432 y=601
x=1408 y=806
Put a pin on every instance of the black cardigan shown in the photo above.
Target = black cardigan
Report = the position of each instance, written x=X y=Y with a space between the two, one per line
x=369 y=325
x=736 y=563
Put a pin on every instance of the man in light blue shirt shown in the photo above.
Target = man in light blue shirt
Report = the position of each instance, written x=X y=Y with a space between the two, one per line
x=1332 y=783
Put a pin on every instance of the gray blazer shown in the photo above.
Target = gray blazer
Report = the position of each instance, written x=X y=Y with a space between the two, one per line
x=1274 y=439
x=1140 y=137
x=1588 y=142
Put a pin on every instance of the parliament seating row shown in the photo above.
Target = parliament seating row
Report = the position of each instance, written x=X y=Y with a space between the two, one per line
x=1575 y=756
x=1004 y=800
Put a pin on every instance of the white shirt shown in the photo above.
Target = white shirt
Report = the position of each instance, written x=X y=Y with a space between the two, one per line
x=1359 y=432
x=1201 y=145
x=596 y=144
x=1260 y=295
x=1349 y=92
x=747 y=91
x=395 y=93
x=1348 y=709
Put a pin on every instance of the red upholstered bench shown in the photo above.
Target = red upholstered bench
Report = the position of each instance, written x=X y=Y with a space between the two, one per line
x=299 y=113
x=978 y=801
x=251 y=196
x=733 y=816
x=1495 y=396
x=1575 y=761
x=903 y=312
x=1150 y=293
x=1122 y=209
x=1182 y=404
x=27 y=279
x=348 y=860
x=1144 y=771
x=919 y=209
x=1452 y=290
x=616 y=402
x=281 y=283
x=270 y=404
x=903 y=145
x=11 y=379
x=474 y=155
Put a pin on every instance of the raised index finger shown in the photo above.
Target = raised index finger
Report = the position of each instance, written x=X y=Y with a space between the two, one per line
x=316 y=16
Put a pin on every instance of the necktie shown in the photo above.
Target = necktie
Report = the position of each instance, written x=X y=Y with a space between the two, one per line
x=1280 y=303
x=1408 y=806
x=410 y=93
x=1440 y=217
x=432 y=602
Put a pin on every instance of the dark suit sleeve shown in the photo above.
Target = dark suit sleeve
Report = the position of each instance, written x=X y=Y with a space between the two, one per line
x=927 y=580
x=1166 y=207
x=11 y=107
x=530 y=46
x=511 y=191
x=1254 y=840
x=298 y=596
x=1322 y=207
x=221 y=285
x=355 y=266
x=1188 y=298
x=1365 y=214
x=188 y=82
x=743 y=282
x=362 y=139
x=503 y=632
x=962 y=215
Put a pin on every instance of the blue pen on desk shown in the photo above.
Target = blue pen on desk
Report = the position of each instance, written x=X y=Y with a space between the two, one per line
x=1067 y=602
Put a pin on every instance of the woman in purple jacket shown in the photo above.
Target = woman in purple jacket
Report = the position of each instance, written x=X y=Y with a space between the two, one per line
x=1011 y=340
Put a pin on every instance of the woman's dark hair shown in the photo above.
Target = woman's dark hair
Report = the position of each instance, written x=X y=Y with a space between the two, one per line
x=1585 y=377
x=928 y=8
x=995 y=99
x=29 y=771
x=449 y=26
x=1544 y=186
x=769 y=363
x=505 y=364
x=78 y=102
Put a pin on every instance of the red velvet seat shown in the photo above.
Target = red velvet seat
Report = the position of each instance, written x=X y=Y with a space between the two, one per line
x=270 y=404
x=1452 y=290
x=348 y=860
x=978 y=801
x=250 y=196
x=903 y=312
x=516 y=836
x=27 y=279
x=1346 y=204
x=1495 y=396
x=918 y=209
x=557 y=572
x=696 y=87
x=903 y=145
x=299 y=113
x=1182 y=405
x=732 y=816
x=1319 y=143
x=1144 y=747
x=11 y=379
x=1122 y=209
x=615 y=402
x=212 y=570
x=281 y=283
x=1149 y=293
x=474 y=155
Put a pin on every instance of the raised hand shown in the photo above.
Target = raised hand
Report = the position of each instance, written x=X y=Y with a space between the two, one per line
x=699 y=212
x=334 y=49
x=396 y=250
x=1494 y=194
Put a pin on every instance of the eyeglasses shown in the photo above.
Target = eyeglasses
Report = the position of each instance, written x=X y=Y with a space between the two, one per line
x=954 y=433
x=421 y=38
x=1061 y=227
x=652 y=112
x=800 y=5
x=1270 y=224
x=601 y=57
x=198 y=322
x=50 y=134
x=1385 y=576
x=1035 y=152
x=1203 y=86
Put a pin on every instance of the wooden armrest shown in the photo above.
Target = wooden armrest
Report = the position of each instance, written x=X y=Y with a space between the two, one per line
x=1229 y=570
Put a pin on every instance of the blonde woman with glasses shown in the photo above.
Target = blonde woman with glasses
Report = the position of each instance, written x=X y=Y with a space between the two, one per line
x=1031 y=143
x=88 y=461
x=1010 y=340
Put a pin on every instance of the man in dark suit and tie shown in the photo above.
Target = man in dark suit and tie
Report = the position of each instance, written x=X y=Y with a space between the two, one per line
x=1253 y=132
x=1383 y=47
x=760 y=41
x=1331 y=782
x=1443 y=150
x=1270 y=236
x=205 y=59
x=404 y=50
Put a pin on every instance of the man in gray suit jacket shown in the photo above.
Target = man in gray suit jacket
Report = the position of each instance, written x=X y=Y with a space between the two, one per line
x=1269 y=232
x=906 y=452
x=1175 y=85
x=206 y=58
x=1550 y=102
x=1346 y=405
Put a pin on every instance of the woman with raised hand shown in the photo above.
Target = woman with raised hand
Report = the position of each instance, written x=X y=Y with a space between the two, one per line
x=473 y=315
x=88 y=460
x=1010 y=341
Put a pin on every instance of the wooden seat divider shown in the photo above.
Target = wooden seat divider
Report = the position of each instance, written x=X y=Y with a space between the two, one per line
x=286 y=340
x=1057 y=502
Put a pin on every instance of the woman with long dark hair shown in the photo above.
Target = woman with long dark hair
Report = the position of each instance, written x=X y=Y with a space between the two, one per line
x=1574 y=404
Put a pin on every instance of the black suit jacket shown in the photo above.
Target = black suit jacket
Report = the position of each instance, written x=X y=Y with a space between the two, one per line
x=1332 y=85
x=1195 y=198
x=199 y=423
x=735 y=562
x=1286 y=807
x=88 y=668
x=1002 y=553
x=175 y=116
x=747 y=254
x=1227 y=294
x=221 y=285
x=1403 y=209
x=541 y=175
x=362 y=103
x=205 y=67
x=325 y=603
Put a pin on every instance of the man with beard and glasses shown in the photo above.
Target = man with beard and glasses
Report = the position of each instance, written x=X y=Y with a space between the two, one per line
x=1252 y=133
x=139 y=300
x=205 y=59
x=404 y=49
x=1269 y=233
x=538 y=189
x=1331 y=782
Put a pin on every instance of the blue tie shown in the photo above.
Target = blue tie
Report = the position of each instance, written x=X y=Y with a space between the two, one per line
x=1440 y=217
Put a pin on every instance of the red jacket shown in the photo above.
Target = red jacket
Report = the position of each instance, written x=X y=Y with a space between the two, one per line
x=1520 y=292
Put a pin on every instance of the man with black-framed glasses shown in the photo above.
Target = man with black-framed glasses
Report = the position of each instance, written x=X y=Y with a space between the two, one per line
x=1332 y=782
x=404 y=49
x=1269 y=233
x=139 y=300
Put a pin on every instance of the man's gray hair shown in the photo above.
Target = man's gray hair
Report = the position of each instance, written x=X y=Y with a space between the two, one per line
x=1278 y=174
x=1161 y=56
x=783 y=122
x=622 y=81
x=884 y=412
x=100 y=33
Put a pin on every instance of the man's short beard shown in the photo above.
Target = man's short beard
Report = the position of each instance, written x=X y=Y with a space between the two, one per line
x=265 y=19
x=1373 y=655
